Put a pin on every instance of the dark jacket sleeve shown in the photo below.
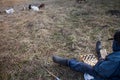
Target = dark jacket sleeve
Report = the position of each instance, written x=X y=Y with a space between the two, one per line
x=106 y=68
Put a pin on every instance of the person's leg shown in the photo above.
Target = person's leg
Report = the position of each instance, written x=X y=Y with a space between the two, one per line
x=98 y=48
x=81 y=67
x=74 y=65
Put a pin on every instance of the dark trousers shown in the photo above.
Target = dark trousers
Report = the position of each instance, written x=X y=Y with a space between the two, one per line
x=81 y=67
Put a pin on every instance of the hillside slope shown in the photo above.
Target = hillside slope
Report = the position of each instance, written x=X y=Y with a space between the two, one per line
x=29 y=39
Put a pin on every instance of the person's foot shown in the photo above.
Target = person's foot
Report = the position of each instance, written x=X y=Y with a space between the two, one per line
x=60 y=60
x=98 y=48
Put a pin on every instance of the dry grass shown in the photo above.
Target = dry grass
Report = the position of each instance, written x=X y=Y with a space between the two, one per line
x=8 y=3
x=29 y=39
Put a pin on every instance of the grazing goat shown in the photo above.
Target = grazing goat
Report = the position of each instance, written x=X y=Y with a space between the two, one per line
x=36 y=8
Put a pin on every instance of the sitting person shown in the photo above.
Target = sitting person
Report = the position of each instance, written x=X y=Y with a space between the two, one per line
x=104 y=69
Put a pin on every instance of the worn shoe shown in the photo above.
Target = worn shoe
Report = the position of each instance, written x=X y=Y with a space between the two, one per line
x=98 y=48
x=60 y=60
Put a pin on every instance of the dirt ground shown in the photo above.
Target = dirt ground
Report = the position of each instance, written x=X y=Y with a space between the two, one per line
x=66 y=28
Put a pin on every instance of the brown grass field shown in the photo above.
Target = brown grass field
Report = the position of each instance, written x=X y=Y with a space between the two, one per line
x=29 y=39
